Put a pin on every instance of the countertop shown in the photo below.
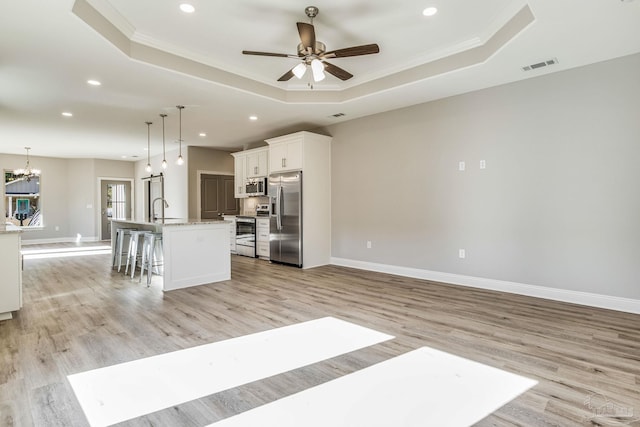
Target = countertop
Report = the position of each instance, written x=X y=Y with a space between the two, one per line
x=9 y=228
x=173 y=221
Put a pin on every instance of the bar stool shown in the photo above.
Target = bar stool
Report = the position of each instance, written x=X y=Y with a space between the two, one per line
x=132 y=252
x=121 y=233
x=152 y=241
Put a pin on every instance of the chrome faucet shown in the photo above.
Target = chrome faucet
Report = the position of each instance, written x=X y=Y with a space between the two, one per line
x=153 y=214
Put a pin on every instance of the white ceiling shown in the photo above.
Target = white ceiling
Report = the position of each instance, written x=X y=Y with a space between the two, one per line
x=150 y=57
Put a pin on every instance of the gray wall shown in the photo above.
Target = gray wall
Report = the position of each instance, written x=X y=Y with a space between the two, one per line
x=205 y=159
x=67 y=187
x=557 y=206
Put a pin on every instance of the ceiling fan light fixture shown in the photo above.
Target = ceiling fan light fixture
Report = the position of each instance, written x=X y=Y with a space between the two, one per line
x=317 y=67
x=299 y=70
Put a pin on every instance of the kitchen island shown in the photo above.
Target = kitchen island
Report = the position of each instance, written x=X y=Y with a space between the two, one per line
x=11 y=268
x=195 y=252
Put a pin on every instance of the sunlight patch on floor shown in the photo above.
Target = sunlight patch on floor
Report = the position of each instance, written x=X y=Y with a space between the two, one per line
x=65 y=252
x=424 y=387
x=121 y=392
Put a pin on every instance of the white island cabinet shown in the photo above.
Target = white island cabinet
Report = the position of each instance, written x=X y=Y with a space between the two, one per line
x=11 y=268
x=195 y=252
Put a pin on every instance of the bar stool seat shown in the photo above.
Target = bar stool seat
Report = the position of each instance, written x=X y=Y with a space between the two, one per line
x=121 y=233
x=152 y=241
x=132 y=252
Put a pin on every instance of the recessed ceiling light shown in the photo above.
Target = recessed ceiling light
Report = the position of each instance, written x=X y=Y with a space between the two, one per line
x=253 y=118
x=67 y=114
x=203 y=134
x=123 y=157
x=430 y=11
x=187 y=8
x=94 y=82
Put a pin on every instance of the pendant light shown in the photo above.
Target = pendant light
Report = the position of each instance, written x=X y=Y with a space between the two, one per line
x=164 y=157
x=180 y=160
x=148 y=168
x=27 y=172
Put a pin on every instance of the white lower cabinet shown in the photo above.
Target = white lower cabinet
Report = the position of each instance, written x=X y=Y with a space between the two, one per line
x=232 y=232
x=11 y=268
x=262 y=237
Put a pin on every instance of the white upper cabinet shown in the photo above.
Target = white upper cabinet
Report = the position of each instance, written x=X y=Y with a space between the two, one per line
x=240 y=177
x=285 y=152
x=249 y=165
x=257 y=163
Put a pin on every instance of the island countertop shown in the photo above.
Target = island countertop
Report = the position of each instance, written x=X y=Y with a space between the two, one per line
x=171 y=221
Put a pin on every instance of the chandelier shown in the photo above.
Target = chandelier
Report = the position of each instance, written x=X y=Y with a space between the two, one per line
x=27 y=172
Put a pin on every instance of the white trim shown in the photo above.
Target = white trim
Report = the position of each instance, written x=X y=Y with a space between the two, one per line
x=199 y=174
x=58 y=240
x=575 y=297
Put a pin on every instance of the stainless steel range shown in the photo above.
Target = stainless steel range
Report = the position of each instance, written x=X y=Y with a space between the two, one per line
x=246 y=236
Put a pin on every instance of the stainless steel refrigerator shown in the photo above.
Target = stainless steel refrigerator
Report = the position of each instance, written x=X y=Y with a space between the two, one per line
x=285 y=239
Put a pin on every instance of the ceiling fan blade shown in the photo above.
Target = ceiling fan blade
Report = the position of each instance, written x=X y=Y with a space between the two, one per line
x=307 y=35
x=251 y=52
x=337 y=71
x=286 y=76
x=366 y=49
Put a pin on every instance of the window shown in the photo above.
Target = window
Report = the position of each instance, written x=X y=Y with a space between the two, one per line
x=22 y=200
x=116 y=201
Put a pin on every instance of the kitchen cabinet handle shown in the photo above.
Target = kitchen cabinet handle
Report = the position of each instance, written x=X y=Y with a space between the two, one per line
x=255 y=170
x=284 y=162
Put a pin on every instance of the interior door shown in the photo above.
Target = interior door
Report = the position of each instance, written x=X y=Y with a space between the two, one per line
x=115 y=203
x=217 y=196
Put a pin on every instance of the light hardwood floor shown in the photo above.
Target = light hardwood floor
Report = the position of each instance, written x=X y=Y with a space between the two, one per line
x=79 y=315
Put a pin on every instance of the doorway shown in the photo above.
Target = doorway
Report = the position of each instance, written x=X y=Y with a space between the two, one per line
x=217 y=196
x=115 y=203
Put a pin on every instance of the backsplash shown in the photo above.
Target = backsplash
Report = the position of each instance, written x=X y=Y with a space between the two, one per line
x=248 y=205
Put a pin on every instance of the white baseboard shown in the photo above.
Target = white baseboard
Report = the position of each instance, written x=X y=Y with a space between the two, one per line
x=59 y=240
x=575 y=297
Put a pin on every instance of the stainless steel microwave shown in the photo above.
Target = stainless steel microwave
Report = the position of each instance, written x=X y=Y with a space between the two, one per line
x=256 y=187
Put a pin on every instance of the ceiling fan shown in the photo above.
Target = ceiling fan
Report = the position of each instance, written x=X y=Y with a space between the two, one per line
x=313 y=53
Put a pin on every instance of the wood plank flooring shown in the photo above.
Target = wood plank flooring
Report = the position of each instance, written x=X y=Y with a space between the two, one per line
x=79 y=314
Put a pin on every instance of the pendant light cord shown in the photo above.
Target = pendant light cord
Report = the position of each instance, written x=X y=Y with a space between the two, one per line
x=180 y=108
x=164 y=156
x=149 y=146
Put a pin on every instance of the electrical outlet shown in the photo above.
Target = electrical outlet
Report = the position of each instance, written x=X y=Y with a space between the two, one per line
x=368 y=244
x=461 y=166
x=462 y=253
x=483 y=164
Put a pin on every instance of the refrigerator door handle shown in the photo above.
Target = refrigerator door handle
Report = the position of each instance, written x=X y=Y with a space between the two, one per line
x=279 y=208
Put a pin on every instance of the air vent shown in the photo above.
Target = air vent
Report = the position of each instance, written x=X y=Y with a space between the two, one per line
x=337 y=115
x=537 y=65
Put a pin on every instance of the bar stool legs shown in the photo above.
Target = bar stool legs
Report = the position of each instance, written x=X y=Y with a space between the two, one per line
x=149 y=260
x=118 y=246
x=132 y=252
